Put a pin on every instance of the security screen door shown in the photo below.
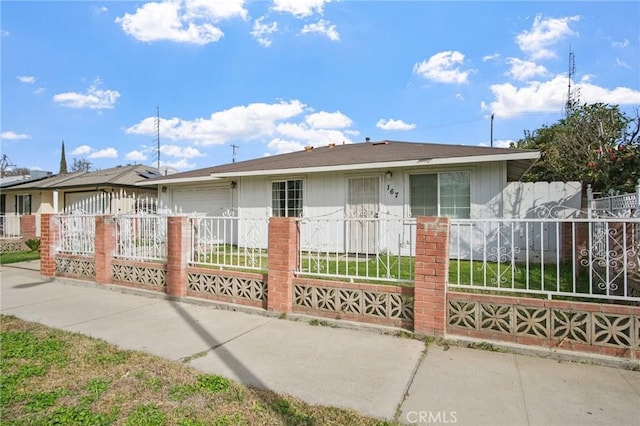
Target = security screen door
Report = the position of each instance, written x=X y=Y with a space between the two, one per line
x=363 y=203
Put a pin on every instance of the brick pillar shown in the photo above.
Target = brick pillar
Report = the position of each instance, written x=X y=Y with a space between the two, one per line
x=431 y=275
x=28 y=227
x=48 y=239
x=283 y=252
x=178 y=249
x=105 y=247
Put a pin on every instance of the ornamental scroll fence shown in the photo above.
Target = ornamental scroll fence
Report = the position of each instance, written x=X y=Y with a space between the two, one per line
x=357 y=249
x=228 y=241
x=141 y=237
x=584 y=258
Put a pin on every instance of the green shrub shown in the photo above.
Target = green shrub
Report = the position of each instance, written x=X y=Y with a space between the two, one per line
x=33 y=244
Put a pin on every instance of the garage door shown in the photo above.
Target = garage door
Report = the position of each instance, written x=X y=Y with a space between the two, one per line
x=211 y=201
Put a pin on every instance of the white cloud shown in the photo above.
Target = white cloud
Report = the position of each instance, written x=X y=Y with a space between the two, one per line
x=620 y=44
x=262 y=31
x=94 y=98
x=135 y=156
x=101 y=9
x=322 y=27
x=180 y=152
x=253 y=121
x=5 y=33
x=105 y=153
x=39 y=90
x=9 y=135
x=621 y=63
x=284 y=126
x=181 y=164
x=492 y=57
x=29 y=79
x=392 y=124
x=443 y=67
x=82 y=150
x=506 y=143
x=524 y=70
x=215 y=10
x=300 y=8
x=181 y=21
x=306 y=135
x=550 y=96
x=328 y=120
x=459 y=96
x=280 y=146
x=544 y=34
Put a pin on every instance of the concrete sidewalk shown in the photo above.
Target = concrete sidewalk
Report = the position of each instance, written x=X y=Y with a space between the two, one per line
x=376 y=374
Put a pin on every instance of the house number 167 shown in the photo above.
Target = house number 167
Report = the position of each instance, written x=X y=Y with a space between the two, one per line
x=392 y=191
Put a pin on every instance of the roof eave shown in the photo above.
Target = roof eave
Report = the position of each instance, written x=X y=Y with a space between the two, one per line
x=196 y=179
x=529 y=155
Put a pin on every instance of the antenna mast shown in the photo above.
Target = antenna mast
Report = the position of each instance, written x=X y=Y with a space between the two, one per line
x=5 y=163
x=234 y=155
x=572 y=71
x=157 y=123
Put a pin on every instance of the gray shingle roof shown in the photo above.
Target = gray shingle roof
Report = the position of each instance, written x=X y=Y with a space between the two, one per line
x=348 y=154
x=123 y=176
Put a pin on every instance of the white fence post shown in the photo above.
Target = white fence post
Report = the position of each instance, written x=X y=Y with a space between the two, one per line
x=589 y=201
x=638 y=199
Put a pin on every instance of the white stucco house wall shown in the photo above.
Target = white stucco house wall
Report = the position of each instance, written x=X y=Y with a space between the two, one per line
x=384 y=180
x=370 y=179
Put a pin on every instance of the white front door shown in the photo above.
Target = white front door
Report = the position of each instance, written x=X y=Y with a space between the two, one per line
x=362 y=207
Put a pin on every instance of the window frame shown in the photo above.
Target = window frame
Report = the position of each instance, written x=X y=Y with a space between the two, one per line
x=19 y=204
x=439 y=207
x=286 y=200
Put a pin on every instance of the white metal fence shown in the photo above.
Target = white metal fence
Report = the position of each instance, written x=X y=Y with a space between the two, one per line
x=618 y=205
x=119 y=202
x=141 y=237
x=586 y=258
x=76 y=234
x=369 y=249
x=10 y=226
x=227 y=241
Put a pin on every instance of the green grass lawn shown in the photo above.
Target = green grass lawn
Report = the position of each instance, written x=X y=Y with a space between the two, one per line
x=20 y=256
x=53 y=377
x=534 y=277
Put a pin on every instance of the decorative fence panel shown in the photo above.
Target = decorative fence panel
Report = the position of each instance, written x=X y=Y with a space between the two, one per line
x=76 y=234
x=141 y=237
x=227 y=241
x=9 y=226
x=325 y=249
x=119 y=202
x=596 y=258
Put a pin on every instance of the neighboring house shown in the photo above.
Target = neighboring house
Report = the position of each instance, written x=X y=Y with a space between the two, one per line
x=371 y=179
x=56 y=193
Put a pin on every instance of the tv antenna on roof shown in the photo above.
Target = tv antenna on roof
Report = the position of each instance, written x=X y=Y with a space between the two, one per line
x=4 y=164
x=573 y=96
x=157 y=124
x=234 y=155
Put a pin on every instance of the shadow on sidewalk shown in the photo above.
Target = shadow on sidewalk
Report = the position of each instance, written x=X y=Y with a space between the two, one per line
x=34 y=284
x=279 y=406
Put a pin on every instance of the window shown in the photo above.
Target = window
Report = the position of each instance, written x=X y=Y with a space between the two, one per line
x=23 y=204
x=286 y=198
x=441 y=194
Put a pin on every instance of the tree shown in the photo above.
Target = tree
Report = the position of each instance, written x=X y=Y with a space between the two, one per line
x=596 y=144
x=80 y=165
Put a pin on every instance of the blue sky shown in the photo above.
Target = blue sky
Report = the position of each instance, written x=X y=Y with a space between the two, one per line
x=274 y=76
